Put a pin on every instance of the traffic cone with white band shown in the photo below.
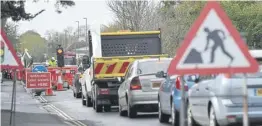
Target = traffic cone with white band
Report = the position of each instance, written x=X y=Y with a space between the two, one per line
x=60 y=82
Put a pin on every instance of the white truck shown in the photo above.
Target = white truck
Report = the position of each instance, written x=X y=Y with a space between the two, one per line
x=111 y=54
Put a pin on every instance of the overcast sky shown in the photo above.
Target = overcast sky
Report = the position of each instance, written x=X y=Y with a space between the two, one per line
x=94 y=10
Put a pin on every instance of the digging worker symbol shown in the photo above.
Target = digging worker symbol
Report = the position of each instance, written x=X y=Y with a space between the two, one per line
x=218 y=42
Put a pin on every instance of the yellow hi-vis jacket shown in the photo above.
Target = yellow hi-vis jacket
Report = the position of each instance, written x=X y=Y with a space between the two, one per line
x=52 y=63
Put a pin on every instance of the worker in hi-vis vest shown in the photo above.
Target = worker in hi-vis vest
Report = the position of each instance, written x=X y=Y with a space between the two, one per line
x=52 y=62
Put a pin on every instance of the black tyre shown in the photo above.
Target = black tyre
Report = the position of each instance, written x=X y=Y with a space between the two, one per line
x=190 y=119
x=107 y=108
x=78 y=95
x=121 y=112
x=212 y=117
x=99 y=108
x=174 y=115
x=88 y=102
x=131 y=112
x=163 y=118
x=83 y=100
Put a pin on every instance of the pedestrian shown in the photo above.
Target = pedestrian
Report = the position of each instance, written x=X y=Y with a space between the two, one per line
x=52 y=62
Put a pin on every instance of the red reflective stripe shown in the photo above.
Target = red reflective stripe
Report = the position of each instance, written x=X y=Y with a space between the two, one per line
x=124 y=67
x=98 y=68
x=110 y=68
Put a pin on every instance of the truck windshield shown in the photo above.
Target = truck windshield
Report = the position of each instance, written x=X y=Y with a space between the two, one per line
x=69 y=61
x=149 y=67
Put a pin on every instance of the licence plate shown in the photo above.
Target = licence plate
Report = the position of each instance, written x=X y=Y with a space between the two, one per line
x=259 y=92
x=156 y=85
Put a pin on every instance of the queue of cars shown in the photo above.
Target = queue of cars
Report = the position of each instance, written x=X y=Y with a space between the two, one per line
x=213 y=100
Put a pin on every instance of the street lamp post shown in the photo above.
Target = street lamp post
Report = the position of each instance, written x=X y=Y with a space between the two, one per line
x=78 y=33
x=86 y=34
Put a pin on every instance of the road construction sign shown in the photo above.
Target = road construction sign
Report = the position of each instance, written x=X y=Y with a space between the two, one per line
x=213 y=45
x=38 y=80
x=8 y=56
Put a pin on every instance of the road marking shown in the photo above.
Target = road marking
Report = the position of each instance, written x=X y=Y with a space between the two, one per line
x=60 y=113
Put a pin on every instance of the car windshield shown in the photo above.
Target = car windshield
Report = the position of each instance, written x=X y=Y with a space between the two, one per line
x=250 y=75
x=69 y=61
x=155 y=66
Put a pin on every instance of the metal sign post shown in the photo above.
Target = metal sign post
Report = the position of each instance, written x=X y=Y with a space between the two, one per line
x=245 y=102
x=183 y=120
x=13 y=102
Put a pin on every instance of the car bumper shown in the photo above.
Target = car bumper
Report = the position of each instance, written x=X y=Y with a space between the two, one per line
x=233 y=114
x=139 y=97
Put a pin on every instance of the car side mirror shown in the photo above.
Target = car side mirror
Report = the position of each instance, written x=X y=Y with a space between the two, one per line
x=161 y=74
x=86 y=61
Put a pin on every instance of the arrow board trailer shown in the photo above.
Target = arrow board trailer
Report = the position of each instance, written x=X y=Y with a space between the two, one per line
x=112 y=54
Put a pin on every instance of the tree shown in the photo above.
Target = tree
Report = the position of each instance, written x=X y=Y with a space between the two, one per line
x=35 y=44
x=11 y=32
x=16 y=10
x=178 y=18
x=131 y=15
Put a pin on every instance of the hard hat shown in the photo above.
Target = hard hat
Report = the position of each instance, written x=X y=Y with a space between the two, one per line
x=53 y=58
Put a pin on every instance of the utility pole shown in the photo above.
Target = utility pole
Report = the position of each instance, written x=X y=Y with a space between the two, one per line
x=86 y=35
x=65 y=39
x=78 y=34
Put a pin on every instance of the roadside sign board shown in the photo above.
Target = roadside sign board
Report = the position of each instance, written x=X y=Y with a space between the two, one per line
x=213 y=45
x=39 y=68
x=8 y=56
x=38 y=80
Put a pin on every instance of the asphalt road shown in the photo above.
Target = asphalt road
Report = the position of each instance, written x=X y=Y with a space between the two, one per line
x=29 y=111
x=73 y=107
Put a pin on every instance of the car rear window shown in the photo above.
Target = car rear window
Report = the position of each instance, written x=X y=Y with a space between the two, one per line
x=154 y=66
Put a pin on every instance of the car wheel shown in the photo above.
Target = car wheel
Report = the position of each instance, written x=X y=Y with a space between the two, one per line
x=190 y=119
x=107 y=108
x=132 y=113
x=98 y=108
x=163 y=118
x=121 y=112
x=83 y=100
x=94 y=105
x=174 y=115
x=88 y=102
x=78 y=95
x=212 y=117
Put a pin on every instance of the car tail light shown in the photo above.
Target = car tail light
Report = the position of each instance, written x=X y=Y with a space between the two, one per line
x=103 y=91
x=135 y=84
x=178 y=84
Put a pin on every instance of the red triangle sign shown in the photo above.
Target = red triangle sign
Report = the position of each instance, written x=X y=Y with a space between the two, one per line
x=9 y=58
x=213 y=45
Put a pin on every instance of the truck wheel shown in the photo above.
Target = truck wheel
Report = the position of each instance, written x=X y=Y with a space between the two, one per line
x=88 y=102
x=83 y=100
x=78 y=95
x=98 y=108
x=74 y=94
x=107 y=108
x=94 y=106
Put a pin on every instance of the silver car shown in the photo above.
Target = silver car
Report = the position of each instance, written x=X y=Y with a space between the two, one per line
x=138 y=93
x=218 y=100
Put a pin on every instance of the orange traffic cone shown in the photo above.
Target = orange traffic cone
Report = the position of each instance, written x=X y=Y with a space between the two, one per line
x=49 y=92
x=60 y=86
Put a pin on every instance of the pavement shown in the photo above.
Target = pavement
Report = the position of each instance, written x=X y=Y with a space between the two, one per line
x=73 y=107
x=29 y=111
